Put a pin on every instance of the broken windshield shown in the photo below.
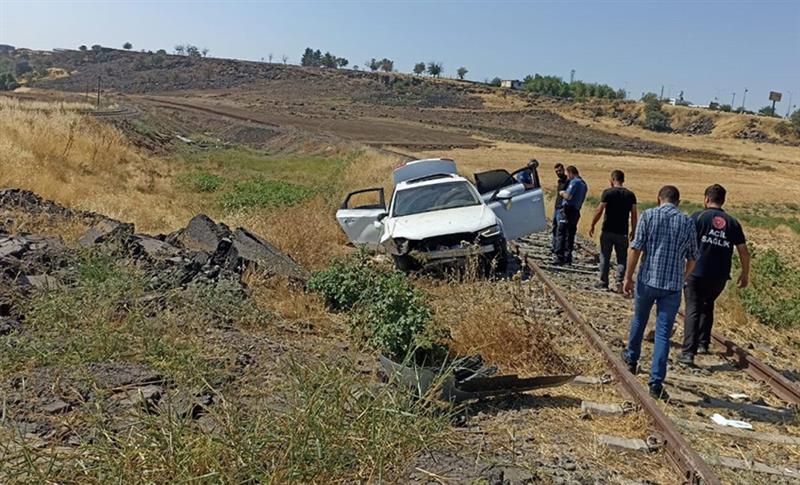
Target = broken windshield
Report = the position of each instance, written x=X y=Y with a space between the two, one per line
x=433 y=197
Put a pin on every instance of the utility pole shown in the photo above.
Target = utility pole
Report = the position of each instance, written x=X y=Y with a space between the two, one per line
x=571 y=76
x=733 y=101
x=98 y=92
x=789 y=105
x=744 y=98
x=661 y=96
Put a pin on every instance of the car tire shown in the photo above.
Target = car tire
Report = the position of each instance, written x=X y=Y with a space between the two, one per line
x=405 y=263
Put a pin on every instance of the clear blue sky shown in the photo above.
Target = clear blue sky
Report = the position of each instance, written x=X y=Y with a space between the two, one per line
x=706 y=49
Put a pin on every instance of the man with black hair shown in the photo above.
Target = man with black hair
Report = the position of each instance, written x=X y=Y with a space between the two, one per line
x=717 y=234
x=568 y=216
x=561 y=185
x=525 y=176
x=618 y=204
x=668 y=240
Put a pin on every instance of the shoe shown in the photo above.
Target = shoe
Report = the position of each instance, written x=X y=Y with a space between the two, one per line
x=703 y=350
x=657 y=391
x=633 y=367
x=558 y=261
x=686 y=359
x=601 y=286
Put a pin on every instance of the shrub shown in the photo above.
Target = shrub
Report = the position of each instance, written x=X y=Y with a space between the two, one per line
x=202 y=182
x=461 y=72
x=419 y=68
x=386 y=311
x=795 y=119
x=655 y=118
x=259 y=192
x=774 y=294
x=783 y=128
x=8 y=82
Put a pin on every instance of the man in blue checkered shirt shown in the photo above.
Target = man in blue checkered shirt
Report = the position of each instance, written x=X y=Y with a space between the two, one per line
x=668 y=239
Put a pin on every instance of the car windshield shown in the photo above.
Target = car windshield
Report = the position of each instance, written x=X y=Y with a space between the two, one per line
x=434 y=197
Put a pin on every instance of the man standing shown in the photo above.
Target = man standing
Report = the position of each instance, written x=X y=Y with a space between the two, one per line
x=561 y=185
x=717 y=234
x=619 y=204
x=568 y=216
x=669 y=242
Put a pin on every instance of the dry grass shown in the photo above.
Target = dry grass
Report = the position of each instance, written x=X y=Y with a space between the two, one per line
x=63 y=155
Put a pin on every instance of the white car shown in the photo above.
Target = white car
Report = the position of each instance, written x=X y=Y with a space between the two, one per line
x=436 y=216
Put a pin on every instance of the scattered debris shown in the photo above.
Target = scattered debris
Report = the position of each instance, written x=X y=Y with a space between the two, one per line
x=750 y=465
x=591 y=380
x=460 y=384
x=723 y=421
x=752 y=435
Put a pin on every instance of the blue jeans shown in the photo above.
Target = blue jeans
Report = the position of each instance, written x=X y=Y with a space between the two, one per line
x=667 y=303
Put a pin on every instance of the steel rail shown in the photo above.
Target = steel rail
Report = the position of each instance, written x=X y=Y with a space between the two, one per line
x=692 y=467
x=781 y=386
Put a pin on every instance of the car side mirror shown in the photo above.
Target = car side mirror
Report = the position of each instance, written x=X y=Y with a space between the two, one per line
x=382 y=216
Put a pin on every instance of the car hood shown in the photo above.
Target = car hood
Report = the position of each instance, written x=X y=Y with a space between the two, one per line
x=439 y=223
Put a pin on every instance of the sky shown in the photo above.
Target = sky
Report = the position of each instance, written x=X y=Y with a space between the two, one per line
x=707 y=49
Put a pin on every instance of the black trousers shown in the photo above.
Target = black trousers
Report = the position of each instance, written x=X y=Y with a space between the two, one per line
x=619 y=243
x=700 y=293
x=565 y=234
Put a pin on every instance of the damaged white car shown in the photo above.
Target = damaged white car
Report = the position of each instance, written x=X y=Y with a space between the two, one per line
x=438 y=217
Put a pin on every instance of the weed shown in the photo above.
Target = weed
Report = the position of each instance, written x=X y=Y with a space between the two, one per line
x=774 y=294
x=201 y=181
x=386 y=310
x=258 y=192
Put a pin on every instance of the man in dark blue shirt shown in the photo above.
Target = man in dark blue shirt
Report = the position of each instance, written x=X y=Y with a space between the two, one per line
x=568 y=216
x=717 y=234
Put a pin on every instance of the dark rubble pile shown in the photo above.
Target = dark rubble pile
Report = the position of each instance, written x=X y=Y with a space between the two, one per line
x=203 y=252
x=751 y=132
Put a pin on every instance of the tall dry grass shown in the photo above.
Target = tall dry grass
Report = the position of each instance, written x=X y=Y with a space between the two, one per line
x=65 y=155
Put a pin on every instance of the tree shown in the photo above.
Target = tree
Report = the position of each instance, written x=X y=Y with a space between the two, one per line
x=97 y=47
x=161 y=52
x=725 y=107
x=461 y=72
x=329 y=61
x=435 y=68
x=8 y=82
x=419 y=68
x=372 y=64
x=386 y=65
x=655 y=118
x=127 y=46
x=284 y=58
x=795 y=119
x=496 y=82
x=766 y=111
x=192 y=51
x=180 y=49
x=342 y=62
x=83 y=48
x=269 y=57
x=204 y=51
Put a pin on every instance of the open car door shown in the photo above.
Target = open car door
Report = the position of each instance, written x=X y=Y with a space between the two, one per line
x=520 y=209
x=358 y=214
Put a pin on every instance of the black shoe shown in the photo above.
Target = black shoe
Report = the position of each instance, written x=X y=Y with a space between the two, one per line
x=633 y=367
x=558 y=261
x=601 y=286
x=703 y=350
x=657 y=391
x=686 y=359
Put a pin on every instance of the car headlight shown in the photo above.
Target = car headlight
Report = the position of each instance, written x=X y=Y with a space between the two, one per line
x=401 y=246
x=490 y=232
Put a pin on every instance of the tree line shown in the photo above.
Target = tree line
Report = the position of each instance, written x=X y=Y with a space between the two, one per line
x=557 y=87
x=315 y=58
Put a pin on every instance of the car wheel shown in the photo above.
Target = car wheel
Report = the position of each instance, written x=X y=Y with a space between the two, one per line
x=405 y=263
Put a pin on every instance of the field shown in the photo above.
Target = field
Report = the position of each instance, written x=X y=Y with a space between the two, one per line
x=274 y=149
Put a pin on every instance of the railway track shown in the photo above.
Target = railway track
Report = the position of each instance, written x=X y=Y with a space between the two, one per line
x=732 y=383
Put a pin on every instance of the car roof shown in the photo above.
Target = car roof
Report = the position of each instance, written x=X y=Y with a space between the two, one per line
x=430 y=179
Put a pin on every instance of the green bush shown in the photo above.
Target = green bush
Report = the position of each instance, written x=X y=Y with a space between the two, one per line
x=8 y=82
x=655 y=119
x=387 y=312
x=795 y=119
x=774 y=294
x=202 y=181
x=259 y=192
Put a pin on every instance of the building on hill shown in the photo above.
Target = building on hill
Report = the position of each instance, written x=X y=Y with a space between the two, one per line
x=6 y=49
x=511 y=84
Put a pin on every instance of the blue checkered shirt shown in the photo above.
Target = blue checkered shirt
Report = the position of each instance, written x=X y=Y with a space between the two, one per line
x=667 y=238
